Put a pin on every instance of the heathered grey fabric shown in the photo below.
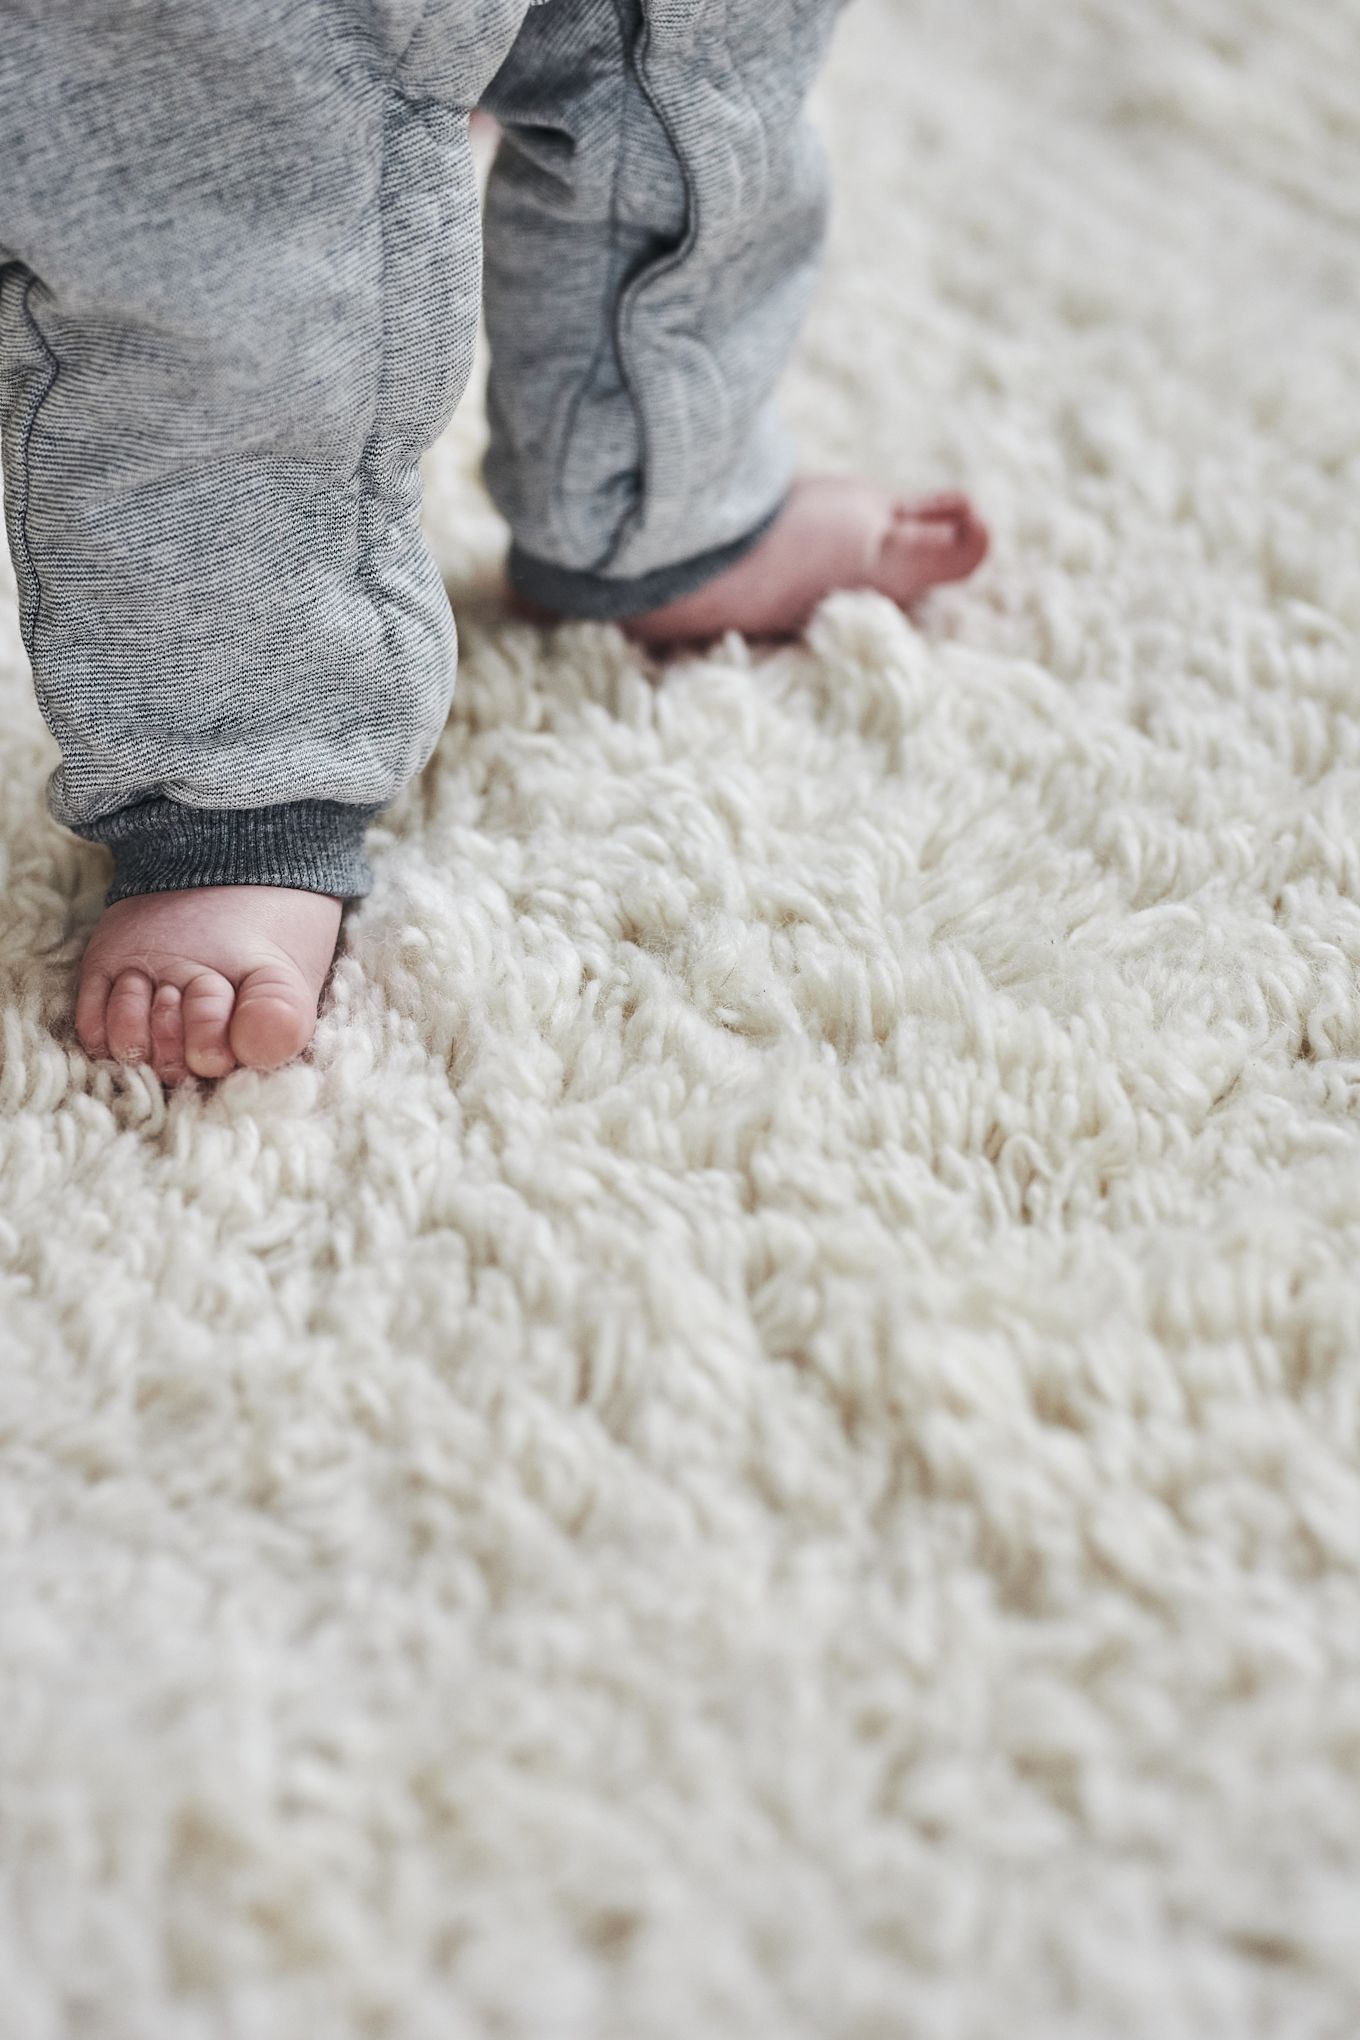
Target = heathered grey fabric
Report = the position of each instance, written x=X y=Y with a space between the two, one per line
x=239 y=282
x=653 y=221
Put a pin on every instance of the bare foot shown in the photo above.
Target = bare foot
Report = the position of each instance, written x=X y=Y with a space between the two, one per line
x=832 y=534
x=196 y=982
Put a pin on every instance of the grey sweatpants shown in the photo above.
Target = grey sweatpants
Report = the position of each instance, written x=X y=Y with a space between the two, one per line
x=240 y=270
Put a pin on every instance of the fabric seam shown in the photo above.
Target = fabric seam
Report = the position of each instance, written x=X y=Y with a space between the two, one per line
x=608 y=334
x=25 y=461
x=652 y=273
x=366 y=475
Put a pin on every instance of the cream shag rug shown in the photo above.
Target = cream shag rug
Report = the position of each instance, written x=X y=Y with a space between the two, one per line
x=766 y=1442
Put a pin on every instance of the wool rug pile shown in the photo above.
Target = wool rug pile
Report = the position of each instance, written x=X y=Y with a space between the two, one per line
x=764 y=1442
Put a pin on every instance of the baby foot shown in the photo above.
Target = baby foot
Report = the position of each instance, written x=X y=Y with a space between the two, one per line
x=196 y=982
x=831 y=534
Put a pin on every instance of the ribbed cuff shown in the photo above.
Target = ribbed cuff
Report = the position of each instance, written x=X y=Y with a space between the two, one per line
x=162 y=846
x=603 y=598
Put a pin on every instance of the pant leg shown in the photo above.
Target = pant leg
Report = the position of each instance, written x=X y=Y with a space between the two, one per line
x=239 y=278
x=653 y=222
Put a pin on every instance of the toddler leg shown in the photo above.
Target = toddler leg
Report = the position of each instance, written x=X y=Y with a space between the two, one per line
x=239 y=274
x=653 y=222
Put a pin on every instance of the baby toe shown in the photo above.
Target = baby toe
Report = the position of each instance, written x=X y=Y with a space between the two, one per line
x=206 y=1018
x=167 y=1034
x=947 y=506
x=974 y=542
x=92 y=1001
x=922 y=553
x=274 y=1017
x=127 y=1017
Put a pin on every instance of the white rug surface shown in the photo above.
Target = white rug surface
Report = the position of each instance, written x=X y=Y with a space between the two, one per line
x=765 y=1442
